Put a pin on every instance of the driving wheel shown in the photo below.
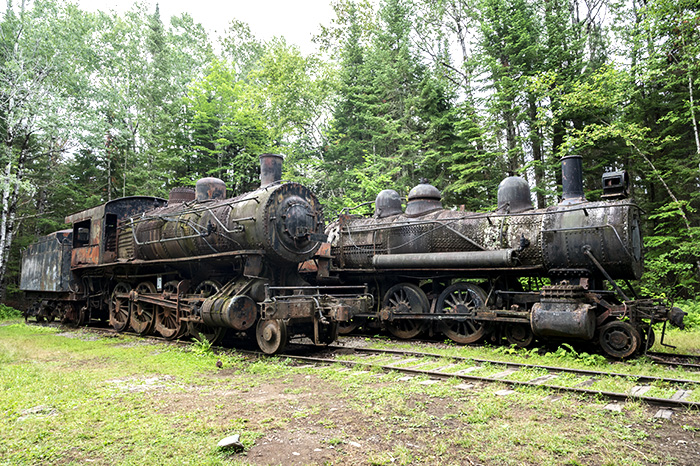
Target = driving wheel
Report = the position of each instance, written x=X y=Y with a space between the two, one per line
x=519 y=335
x=462 y=300
x=405 y=298
x=143 y=315
x=119 y=315
x=167 y=324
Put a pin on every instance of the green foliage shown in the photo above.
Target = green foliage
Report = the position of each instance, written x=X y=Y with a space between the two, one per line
x=563 y=352
x=202 y=346
x=692 y=319
x=7 y=312
x=460 y=93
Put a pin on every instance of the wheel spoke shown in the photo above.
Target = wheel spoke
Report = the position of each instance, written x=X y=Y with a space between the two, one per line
x=463 y=299
x=405 y=298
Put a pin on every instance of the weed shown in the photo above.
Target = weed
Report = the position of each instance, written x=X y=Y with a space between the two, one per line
x=202 y=346
x=7 y=312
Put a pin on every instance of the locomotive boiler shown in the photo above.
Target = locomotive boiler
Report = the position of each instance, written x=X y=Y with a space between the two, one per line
x=517 y=273
x=198 y=264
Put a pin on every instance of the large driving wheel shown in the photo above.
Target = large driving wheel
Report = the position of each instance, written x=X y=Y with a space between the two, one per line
x=406 y=298
x=620 y=339
x=166 y=323
x=271 y=335
x=143 y=316
x=119 y=314
x=462 y=299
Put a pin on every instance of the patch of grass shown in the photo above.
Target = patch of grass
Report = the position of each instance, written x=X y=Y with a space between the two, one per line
x=70 y=398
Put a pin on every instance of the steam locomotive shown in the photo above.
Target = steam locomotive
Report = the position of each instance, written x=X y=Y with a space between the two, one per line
x=515 y=273
x=197 y=264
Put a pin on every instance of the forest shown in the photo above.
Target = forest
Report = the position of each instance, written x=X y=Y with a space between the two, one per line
x=96 y=106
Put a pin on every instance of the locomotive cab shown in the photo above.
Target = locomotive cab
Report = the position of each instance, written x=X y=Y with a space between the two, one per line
x=95 y=234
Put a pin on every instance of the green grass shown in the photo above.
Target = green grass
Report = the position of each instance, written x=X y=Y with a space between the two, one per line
x=72 y=398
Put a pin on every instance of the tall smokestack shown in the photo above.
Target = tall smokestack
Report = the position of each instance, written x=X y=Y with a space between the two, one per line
x=572 y=179
x=270 y=169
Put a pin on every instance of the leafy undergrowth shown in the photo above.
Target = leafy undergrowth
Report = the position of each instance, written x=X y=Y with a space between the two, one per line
x=75 y=398
x=7 y=312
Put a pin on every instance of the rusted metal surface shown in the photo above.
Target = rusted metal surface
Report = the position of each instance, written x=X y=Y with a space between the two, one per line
x=87 y=255
x=546 y=239
x=46 y=264
x=270 y=169
x=208 y=189
x=155 y=249
x=387 y=204
x=572 y=179
x=423 y=199
x=282 y=220
x=95 y=235
x=574 y=243
x=514 y=195
x=181 y=194
x=238 y=312
x=498 y=259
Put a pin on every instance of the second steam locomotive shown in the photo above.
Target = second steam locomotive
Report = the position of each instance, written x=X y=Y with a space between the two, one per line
x=518 y=272
x=197 y=264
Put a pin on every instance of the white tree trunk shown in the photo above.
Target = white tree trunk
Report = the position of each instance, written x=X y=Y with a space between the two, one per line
x=692 y=113
x=7 y=220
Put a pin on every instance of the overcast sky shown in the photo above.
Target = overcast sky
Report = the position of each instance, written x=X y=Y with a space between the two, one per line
x=297 y=21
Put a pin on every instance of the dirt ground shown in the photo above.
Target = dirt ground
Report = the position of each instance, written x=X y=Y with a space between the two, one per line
x=302 y=425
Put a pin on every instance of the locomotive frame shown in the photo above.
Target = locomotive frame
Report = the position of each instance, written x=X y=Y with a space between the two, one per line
x=461 y=274
x=198 y=264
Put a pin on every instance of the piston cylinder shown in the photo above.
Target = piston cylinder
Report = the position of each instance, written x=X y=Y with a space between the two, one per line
x=238 y=312
x=565 y=319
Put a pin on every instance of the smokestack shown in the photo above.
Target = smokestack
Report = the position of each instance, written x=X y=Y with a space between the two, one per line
x=270 y=169
x=572 y=179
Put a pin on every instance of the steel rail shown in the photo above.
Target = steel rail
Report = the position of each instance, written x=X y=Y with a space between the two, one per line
x=639 y=378
x=665 y=402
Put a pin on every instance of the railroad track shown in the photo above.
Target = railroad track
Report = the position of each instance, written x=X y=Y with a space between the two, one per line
x=668 y=392
x=689 y=362
x=686 y=361
x=664 y=392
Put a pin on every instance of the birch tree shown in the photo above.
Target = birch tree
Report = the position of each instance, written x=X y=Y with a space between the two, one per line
x=41 y=69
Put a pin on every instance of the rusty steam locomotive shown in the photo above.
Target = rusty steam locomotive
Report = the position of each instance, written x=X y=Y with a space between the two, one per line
x=515 y=273
x=197 y=264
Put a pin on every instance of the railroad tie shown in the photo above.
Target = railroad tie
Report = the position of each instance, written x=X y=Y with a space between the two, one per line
x=429 y=382
x=404 y=361
x=587 y=383
x=421 y=364
x=464 y=386
x=681 y=395
x=444 y=368
x=663 y=414
x=614 y=406
x=468 y=370
x=639 y=390
x=504 y=374
x=543 y=378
